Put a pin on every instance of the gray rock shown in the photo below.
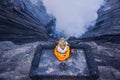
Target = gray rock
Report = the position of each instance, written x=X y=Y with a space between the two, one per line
x=109 y=73
x=107 y=56
x=22 y=21
x=15 y=62
x=6 y=45
x=107 y=26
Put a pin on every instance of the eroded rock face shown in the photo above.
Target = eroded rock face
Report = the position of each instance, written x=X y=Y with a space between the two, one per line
x=107 y=57
x=23 y=21
x=15 y=60
x=108 y=23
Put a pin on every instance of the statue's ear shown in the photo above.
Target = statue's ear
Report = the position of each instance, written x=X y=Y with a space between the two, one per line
x=60 y=42
x=66 y=42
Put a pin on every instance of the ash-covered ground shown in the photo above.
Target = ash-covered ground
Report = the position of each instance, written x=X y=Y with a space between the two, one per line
x=15 y=60
x=76 y=64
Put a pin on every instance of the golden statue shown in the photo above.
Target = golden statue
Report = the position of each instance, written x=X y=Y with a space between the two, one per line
x=62 y=50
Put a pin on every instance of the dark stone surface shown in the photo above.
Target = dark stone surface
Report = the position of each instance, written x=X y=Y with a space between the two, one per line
x=15 y=60
x=76 y=64
x=46 y=56
x=108 y=23
x=23 y=21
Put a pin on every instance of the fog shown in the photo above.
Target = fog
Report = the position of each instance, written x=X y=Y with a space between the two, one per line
x=73 y=17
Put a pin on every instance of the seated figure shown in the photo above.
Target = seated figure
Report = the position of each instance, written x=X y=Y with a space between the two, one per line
x=62 y=50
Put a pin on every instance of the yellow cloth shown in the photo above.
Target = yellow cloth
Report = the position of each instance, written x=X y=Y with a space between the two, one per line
x=60 y=56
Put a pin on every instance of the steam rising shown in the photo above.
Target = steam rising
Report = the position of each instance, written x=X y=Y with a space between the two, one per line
x=73 y=16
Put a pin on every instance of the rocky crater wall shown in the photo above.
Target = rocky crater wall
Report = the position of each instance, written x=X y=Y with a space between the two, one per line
x=23 y=21
x=107 y=26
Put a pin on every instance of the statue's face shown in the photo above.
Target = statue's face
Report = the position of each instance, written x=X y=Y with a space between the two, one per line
x=62 y=44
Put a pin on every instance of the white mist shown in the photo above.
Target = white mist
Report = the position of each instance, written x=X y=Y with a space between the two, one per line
x=73 y=16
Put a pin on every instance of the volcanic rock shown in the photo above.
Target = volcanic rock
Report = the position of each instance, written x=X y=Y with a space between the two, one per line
x=23 y=21
x=107 y=26
x=15 y=60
